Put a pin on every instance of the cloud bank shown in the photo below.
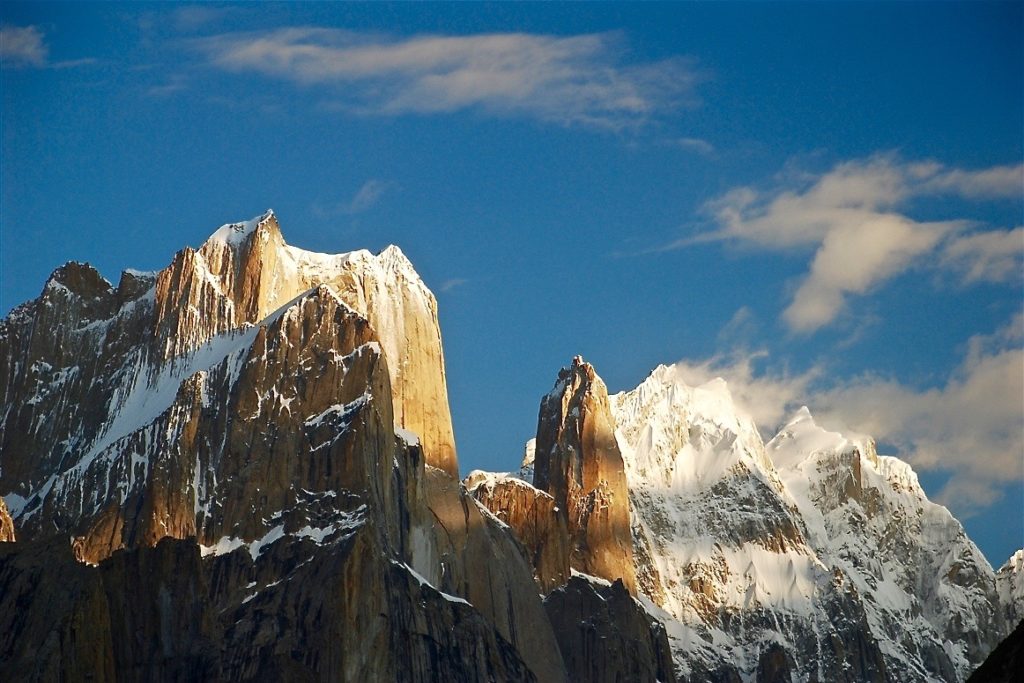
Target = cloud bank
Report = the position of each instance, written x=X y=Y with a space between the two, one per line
x=568 y=80
x=857 y=219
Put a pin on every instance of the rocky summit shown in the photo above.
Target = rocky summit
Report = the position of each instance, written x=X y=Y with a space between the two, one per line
x=242 y=467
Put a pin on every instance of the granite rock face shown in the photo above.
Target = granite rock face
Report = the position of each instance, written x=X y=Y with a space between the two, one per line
x=532 y=515
x=578 y=463
x=606 y=635
x=166 y=614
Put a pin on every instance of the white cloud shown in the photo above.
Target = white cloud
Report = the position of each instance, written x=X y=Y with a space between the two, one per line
x=368 y=195
x=993 y=256
x=694 y=145
x=854 y=218
x=22 y=46
x=742 y=327
x=584 y=79
x=998 y=181
x=854 y=257
x=970 y=426
x=364 y=199
x=449 y=285
x=25 y=46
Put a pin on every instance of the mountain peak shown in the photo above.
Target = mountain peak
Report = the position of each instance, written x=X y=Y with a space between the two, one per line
x=234 y=234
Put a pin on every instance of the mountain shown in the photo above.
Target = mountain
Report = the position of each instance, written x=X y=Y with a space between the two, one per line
x=807 y=558
x=242 y=467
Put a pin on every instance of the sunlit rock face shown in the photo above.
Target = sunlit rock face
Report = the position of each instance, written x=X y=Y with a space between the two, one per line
x=532 y=515
x=6 y=524
x=578 y=463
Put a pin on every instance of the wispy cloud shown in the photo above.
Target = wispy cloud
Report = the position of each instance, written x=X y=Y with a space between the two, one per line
x=584 y=79
x=367 y=196
x=993 y=256
x=854 y=218
x=741 y=329
x=449 y=285
x=970 y=426
x=693 y=145
x=192 y=17
x=23 y=46
x=174 y=83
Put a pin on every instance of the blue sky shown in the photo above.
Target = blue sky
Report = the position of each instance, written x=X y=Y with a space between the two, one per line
x=820 y=202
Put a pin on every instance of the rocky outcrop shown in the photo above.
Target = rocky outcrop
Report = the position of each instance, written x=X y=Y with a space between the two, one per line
x=533 y=517
x=6 y=524
x=605 y=635
x=578 y=463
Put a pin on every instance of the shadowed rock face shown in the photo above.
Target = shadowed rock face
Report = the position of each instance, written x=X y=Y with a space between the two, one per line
x=578 y=463
x=605 y=635
x=163 y=614
x=1005 y=662
x=463 y=549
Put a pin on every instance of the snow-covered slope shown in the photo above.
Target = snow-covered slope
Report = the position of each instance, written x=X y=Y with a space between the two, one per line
x=1010 y=584
x=927 y=589
x=813 y=543
x=719 y=542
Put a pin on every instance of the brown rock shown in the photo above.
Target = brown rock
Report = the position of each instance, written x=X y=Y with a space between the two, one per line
x=54 y=620
x=531 y=514
x=578 y=463
x=6 y=524
x=465 y=550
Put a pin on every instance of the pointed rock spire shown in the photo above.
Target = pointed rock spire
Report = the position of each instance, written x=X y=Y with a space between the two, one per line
x=579 y=464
